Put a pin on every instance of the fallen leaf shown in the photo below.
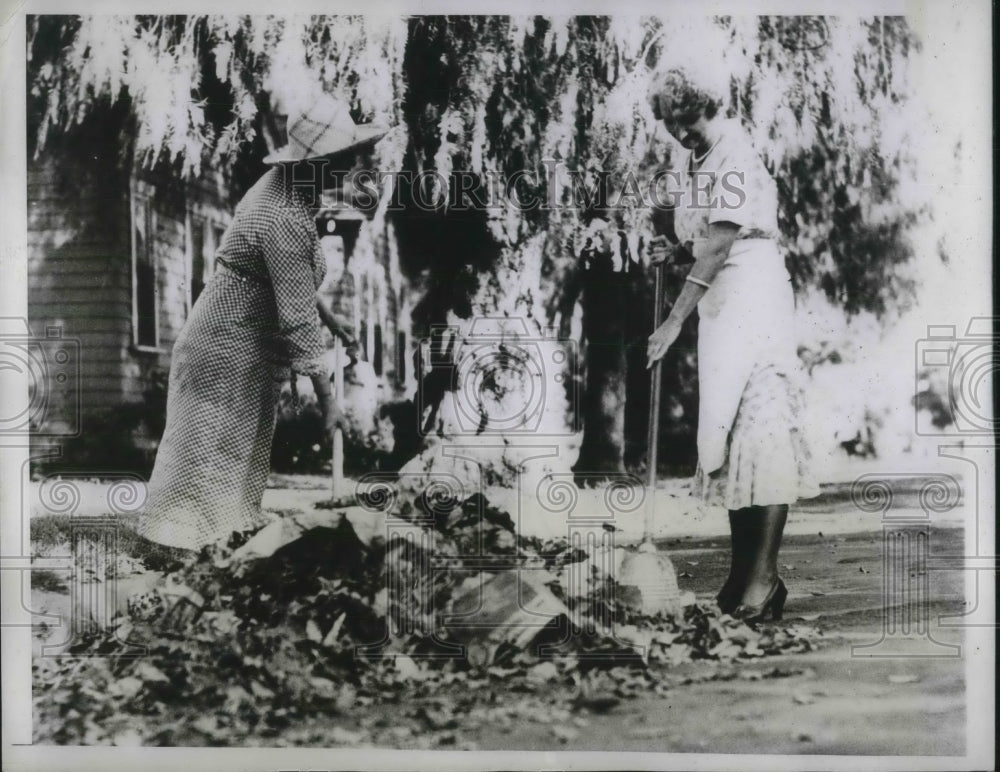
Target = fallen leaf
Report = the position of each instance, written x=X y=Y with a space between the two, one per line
x=346 y=737
x=600 y=703
x=260 y=691
x=331 y=637
x=313 y=632
x=565 y=733
x=207 y=724
x=380 y=603
x=346 y=698
x=148 y=672
x=543 y=672
x=128 y=738
x=436 y=719
x=407 y=669
x=323 y=686
x=126 y=687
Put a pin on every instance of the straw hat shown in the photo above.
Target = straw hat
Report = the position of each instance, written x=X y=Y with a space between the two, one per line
x=324 y=128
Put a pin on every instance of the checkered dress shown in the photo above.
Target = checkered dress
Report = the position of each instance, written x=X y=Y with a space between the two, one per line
x=255 y=319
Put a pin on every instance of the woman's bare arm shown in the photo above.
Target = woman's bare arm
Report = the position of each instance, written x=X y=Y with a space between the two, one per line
x=709 y=257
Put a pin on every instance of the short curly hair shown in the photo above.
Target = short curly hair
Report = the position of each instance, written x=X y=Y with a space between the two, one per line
x=676 y=92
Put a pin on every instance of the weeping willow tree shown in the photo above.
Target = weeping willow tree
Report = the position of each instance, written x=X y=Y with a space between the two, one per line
x=557 y=103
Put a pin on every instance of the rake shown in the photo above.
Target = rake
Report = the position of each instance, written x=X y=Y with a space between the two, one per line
x=647 y=580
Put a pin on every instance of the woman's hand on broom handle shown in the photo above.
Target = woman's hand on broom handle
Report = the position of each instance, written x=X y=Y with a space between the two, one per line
x=337 y=325
x=333 y=417
x=661 y=340
x=660 y=250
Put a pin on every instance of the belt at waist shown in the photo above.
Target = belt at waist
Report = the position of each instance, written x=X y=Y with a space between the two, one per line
x=241 y=273
x=753 y=250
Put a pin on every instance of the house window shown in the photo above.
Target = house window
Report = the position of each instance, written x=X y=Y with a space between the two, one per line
x=199 y=266
x=206 y=236
x=219 y=231
x=145 y=293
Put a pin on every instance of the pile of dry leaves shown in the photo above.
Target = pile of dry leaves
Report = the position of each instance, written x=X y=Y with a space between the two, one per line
x=436 y=617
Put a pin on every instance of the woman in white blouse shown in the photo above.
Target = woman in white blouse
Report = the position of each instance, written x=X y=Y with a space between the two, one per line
x=752 y=456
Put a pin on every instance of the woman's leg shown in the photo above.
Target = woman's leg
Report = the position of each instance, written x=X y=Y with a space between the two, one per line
x=743 y=539
x=766 y=524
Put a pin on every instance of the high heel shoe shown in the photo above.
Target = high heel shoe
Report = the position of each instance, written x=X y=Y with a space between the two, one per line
x=727 y=601
x=728 y=598
x=774 y=604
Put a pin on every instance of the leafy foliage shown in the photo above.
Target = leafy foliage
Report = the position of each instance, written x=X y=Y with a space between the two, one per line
x=199 y=86
x=822 y=97
x=557 y=104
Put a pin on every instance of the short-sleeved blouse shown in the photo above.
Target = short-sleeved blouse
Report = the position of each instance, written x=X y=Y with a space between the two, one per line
x=729 y=183
x=745 y=318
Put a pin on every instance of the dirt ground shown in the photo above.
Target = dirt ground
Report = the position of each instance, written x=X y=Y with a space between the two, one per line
x=827 y=701
x=822 y=702
x=835 y=703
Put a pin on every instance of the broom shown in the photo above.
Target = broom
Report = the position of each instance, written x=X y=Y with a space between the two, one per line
x=647 y=579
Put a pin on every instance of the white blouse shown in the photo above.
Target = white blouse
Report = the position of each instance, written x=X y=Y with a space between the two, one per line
x=746 y=316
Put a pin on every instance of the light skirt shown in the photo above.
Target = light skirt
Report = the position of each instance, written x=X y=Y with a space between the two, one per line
x=768 y=460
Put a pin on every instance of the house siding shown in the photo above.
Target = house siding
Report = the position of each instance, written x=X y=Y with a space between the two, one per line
x=80 y=278
x=78 y=281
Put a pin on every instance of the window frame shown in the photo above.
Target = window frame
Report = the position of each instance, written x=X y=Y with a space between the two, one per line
x=142 y=195
x=213 y=226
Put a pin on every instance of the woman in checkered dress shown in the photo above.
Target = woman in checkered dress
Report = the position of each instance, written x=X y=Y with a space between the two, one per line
x=255 y=321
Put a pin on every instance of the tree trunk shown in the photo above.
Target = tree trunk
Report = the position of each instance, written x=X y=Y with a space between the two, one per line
x=605 y=310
